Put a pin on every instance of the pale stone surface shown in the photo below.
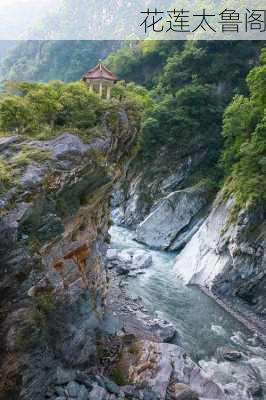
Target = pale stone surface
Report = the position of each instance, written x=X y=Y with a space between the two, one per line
x=64 y=146
x=160 y=363
x=200 y=261
x=33 y=176
x=239 y=381
x=129 y=260
x=174 y=213
x=98 y=393
x=228 y=255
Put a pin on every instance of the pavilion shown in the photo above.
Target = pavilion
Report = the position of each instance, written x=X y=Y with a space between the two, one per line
x=100 y=80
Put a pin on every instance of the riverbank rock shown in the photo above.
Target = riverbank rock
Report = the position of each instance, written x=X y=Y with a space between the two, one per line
x=228 y=354
x=129 y=261
x=179 y=391
x=143 y=186
x=228 y=254
x=132 y=316
x=175 y=213
x=85 y=386
x=164 y=368
x=162 y=329
x=239 y=381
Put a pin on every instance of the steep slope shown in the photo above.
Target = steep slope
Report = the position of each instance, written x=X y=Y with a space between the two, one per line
x=229 y=257
x=228 y=252
x=54 y=230
x=59 y=339
x=49 y=60
x=181 y=138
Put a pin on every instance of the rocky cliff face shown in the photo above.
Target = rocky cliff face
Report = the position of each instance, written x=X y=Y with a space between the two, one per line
x=227 y=254
x=223 y=251
x=172 y=222
x=53 y=233
x=162 y=197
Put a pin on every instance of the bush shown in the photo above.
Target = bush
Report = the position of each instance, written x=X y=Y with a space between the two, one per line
x=32 y=107
x=28 y=154
x=6 y=175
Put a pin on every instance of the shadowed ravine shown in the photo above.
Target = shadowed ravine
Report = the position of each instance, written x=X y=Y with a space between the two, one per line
x=202 y=325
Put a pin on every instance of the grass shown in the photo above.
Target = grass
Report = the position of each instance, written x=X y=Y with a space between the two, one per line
x=134 y=348
x=29 y=154
x=5 y=134
x=31 y=330
x=24 y=157
x=118 y=376
x=46 y=133
x=46 y=303
x=6 y=174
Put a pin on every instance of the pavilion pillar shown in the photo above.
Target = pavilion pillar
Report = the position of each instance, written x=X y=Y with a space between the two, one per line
x=91 y=87
x=108 y=96
x=101 y=89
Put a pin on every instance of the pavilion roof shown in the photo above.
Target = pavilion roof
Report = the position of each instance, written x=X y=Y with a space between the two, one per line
x=100 y=72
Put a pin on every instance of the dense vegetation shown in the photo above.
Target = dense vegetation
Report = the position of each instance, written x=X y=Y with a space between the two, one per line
x=29 y=108
x=244 y=155
x=49 y=60
x=44 y=109
x=190 y=85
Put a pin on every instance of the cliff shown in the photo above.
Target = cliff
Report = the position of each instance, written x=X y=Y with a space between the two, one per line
x=165 y=198
x=227 y=254
x=53 y=233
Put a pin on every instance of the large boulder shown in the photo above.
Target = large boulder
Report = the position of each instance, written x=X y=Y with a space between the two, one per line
x=201 y=261
x=239 y=380
x=128 y=260
x=171 y=217
x=145 y=183
x=158 y=366
x=66 y=146
x=227 y=254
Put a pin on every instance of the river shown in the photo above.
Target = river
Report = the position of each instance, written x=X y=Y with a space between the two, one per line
x=202 y=325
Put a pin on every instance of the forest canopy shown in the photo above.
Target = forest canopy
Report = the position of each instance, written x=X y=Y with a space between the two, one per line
x=189 y=94
x=244 y=130
x=43 y=109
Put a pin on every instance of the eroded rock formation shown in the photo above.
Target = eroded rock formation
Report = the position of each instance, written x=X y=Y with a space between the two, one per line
x=227 y=254
x=53 y=234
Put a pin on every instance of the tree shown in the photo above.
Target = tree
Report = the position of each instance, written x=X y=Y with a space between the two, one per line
x=244 y=155
x=16 y=114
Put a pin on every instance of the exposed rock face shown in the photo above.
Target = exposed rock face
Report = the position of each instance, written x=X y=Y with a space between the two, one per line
x=157 y=196
x=147 y=182
x=53 y=233
x=130 y=260
x=229 y=255
x=239 y=381
x=167 y=372
x=169 y=225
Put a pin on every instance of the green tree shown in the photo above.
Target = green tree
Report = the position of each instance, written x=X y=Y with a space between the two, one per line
x=16 y=114
x=244 y=155
x=30 y=107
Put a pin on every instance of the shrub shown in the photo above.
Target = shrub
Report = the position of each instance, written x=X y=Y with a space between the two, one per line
x=29 y=108
x=6 y=174
x=28 y=154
